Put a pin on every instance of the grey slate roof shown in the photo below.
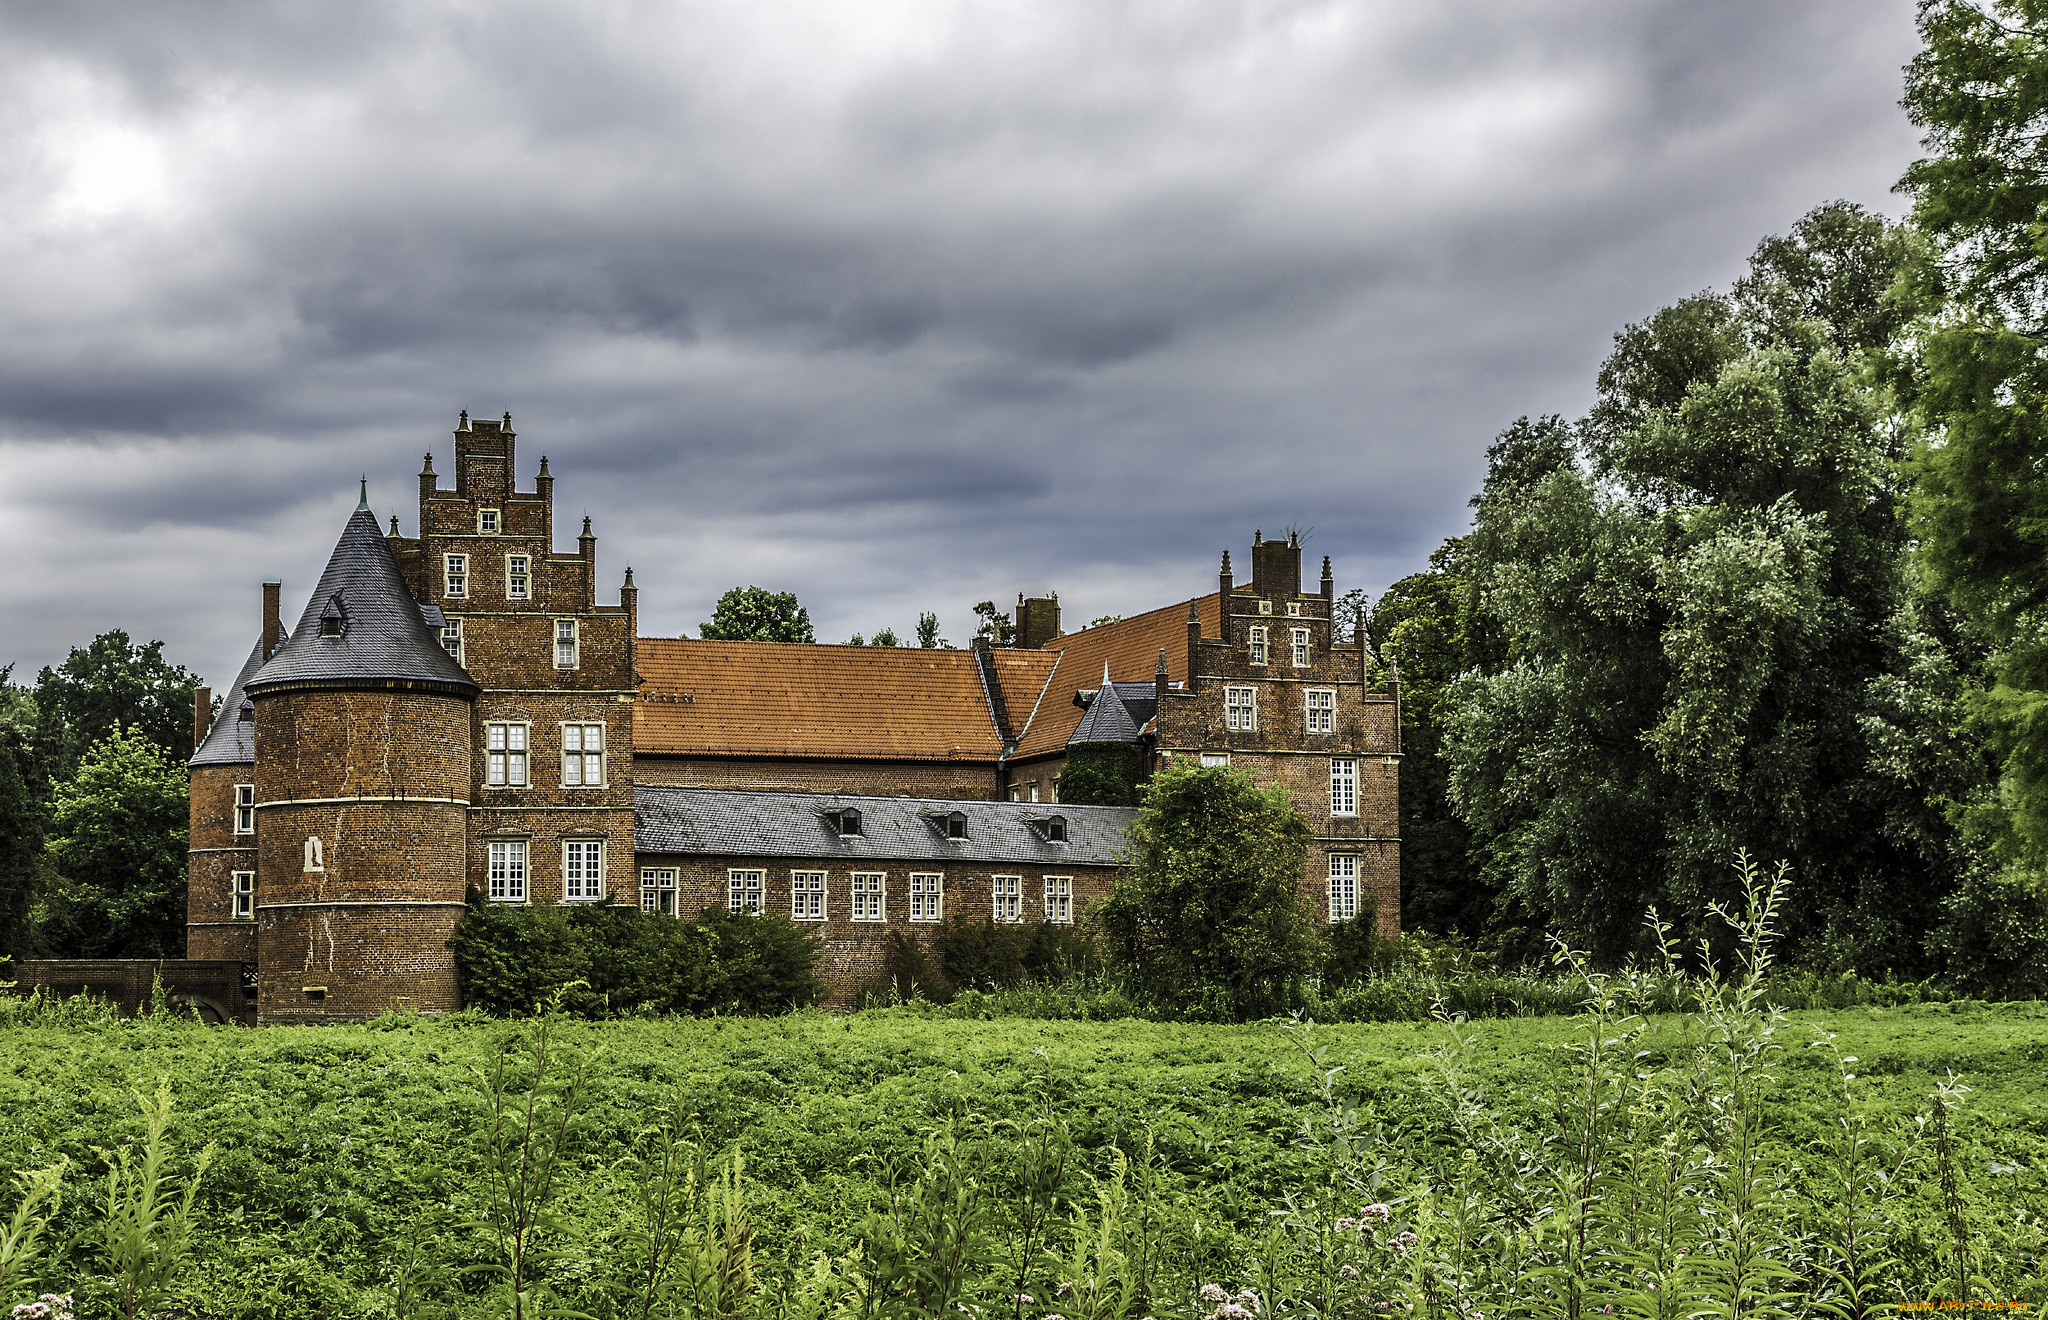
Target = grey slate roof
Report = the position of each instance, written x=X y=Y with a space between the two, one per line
x=232 y=739
x=1116 y=712
x=384 y=635
x=717 y=822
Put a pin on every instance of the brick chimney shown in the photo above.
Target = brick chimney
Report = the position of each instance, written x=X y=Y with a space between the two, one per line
x=1276 y=569
x=272 y=629
x=202 y=714
x=1038 y=620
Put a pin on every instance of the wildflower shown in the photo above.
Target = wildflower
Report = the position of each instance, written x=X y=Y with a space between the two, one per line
x=1213 y=1294
x=1248 y=1298
x=1379 y=1210
x=1232 y=1311
x=1406 y=1238
x=1025 y=1299
x=1347 y=1272
x=1346 y=1224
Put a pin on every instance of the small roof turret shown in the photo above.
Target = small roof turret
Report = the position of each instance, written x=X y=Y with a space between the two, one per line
x=361 y=627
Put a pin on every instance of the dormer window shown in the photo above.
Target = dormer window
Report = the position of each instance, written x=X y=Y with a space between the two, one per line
x=846 y=821
x=1052 y=829
x=333 y=618
x=956 y=825
x=487 y=521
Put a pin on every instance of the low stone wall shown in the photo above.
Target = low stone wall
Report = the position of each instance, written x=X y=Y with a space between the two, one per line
x=218 y=990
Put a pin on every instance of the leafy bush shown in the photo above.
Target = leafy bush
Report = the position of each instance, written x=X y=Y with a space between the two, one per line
x=981 y=955
x=1103 y=774
x=605 y=961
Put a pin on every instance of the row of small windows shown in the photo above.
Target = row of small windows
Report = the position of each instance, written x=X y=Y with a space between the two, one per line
x=1302 y=651
x=1241 y=710
x=1293 y=608
x=846 y=822
x=568 y=642
x=582 y=870
x=518 y=577
x=867 y=894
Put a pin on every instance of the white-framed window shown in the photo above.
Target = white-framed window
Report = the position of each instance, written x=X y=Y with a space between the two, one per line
x=505 y=755
x=870 y=896
x=1009 y=897
x=1321 y=704
x=245 y=808
x=245 y=895
x=1293 y=609
x=455 y=576
x=743 y=890
x=927 y=896
x=583 y=870
x=507 y=870
x=1241 y=709
x=1215 y=760
x=583 y=756
x=565 y=643
x=518 y=577
x=1343 y=786
x=1343 y=886
x=1265 y=607
x=658 y=890
x=1301 y=655
x=1059 y=899
x=451 y=637
x=488 y=521
x=1258 y=643
x=807 y=895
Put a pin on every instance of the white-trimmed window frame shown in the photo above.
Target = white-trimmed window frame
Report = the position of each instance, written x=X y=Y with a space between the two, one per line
x=1241 y=709
x=1059 y=899
x=1265 y=606
x=746 y=889
x=518 y=577
x=507 y=870
x=242 y=895
x=583 y=756
x=1319 y=710
x=1343 y=886
x=1215 y=760
x=451 y=636
x=927 y=896
x=870 y=895
x=1293 y=609
x=1007 y=898
x=1259 y=644
x=490 y=522
x=807 y=895
x=245 y=809
x=508 y=755
x=455 y=576
x=1343 y=786
x=583 y=868
x=568 y=643
x=1304 y=653
x=658 y=890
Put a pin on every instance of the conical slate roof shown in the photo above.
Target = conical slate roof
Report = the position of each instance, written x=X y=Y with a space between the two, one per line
x=362 y=627
x=1116 y=713
x=232 y=739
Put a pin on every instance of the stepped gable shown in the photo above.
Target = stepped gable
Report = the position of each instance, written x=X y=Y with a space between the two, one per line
x=361 y=626
x=232 y=739
x=1130 y=647
x=715 y=698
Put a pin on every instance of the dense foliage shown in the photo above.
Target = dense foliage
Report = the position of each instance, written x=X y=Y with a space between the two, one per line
x=116 y=853
x=755 y=614
x=113 y=682
x=602 y=961
x=1208 y=916
x=1103 y=774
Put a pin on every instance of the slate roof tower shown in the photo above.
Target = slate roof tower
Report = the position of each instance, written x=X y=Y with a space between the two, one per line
x=362 y=773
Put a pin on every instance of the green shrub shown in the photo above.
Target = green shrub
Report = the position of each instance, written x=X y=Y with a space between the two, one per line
x=1103 y=774
x=604 y=961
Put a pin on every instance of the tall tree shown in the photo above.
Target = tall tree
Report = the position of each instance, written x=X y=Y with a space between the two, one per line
x=755 y=614
x=1710 y=639
x=111 y=683
x=21 y=816
x=117 y=853
x=996 y=626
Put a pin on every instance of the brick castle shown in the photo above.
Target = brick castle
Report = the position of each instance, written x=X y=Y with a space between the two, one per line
x=455 y=713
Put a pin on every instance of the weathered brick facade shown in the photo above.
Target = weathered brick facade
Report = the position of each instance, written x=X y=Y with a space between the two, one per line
x=457 y=716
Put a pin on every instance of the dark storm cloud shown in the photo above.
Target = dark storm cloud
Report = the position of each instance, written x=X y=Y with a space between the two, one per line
x=900 y=306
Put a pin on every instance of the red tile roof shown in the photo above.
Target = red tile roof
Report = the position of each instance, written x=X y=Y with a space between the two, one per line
x=1131 y=649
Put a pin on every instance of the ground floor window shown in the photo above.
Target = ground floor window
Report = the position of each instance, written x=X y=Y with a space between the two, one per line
x=743 y=891
x=1343 y=886
x=868 y=896
x=926 y=896
x=1059 y=898
x=583 y=870
x=1009 y=891
x=658 y=890
x=807 y=895
x=245 y=895
x=507 y=873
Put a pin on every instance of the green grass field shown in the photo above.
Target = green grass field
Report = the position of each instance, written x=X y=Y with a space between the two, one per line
x=343 y=1153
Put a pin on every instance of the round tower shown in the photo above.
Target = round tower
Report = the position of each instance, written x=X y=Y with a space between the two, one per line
x=362 y=772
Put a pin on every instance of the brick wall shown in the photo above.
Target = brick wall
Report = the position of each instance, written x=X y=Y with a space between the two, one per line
x=853 y=954
x=216 y=853
x=933 y=779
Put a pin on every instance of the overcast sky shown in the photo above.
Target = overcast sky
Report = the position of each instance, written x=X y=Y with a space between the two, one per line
x=898 y=306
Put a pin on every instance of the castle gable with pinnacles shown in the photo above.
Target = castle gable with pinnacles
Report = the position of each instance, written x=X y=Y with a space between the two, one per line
x=455 y=716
